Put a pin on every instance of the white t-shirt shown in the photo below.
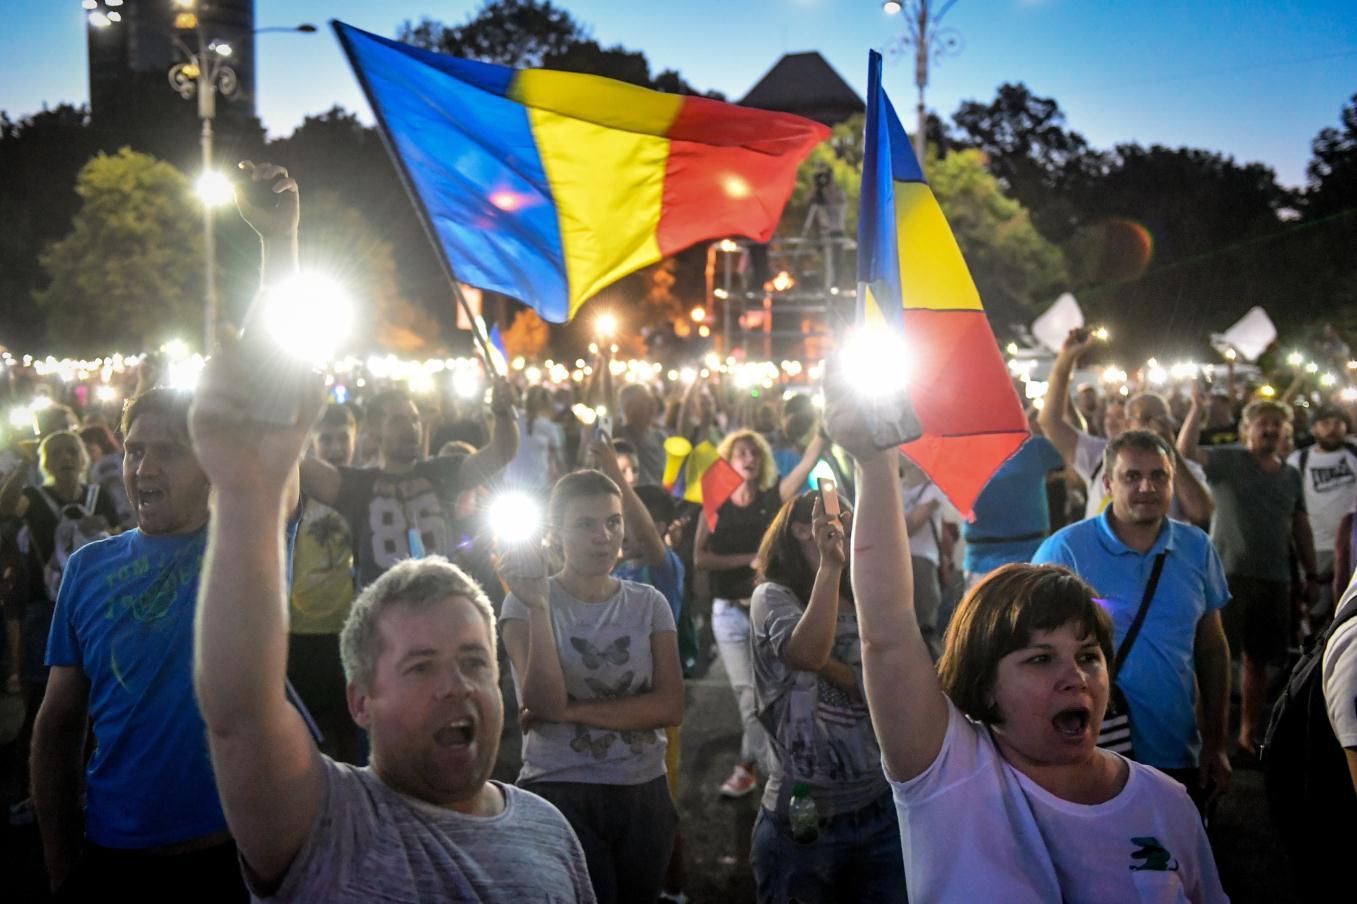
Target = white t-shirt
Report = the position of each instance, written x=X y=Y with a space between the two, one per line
x=1088 y=464
x=530 y=467
x=974 y=828
x=1340 y=682
x=1330 y=480
x=924 y=541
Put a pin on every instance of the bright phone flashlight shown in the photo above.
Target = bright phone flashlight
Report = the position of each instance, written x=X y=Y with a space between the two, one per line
x=515 y=517
x=875 y=362
x=309 y=315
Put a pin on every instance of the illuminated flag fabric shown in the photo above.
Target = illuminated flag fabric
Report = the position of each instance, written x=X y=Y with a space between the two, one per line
x=912 y=278
x=719 y=481
x=548 y=186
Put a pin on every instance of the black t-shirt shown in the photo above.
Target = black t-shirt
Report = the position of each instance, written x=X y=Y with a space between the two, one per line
x=382 y=510
x=739 y=530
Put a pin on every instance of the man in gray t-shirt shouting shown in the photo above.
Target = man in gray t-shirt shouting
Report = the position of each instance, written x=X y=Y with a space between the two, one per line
x=423 y=822
x=1260 y=515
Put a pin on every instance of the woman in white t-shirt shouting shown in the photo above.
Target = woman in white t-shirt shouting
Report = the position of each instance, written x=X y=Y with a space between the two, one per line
x=1001 y=791
x=596 y=666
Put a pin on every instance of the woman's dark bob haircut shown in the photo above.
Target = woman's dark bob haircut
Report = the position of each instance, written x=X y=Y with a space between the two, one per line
x=1000 y=615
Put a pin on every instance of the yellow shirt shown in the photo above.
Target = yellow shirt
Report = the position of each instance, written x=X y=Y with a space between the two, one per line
x=322 y=572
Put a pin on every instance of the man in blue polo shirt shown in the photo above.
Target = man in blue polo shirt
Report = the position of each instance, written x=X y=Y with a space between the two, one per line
x=1181 y=647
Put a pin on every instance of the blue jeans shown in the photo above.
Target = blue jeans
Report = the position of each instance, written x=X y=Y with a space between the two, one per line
x=857 y=858
x=730 y=627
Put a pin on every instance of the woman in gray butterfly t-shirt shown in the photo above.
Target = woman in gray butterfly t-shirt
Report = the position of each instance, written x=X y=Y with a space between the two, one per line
x=595 y=663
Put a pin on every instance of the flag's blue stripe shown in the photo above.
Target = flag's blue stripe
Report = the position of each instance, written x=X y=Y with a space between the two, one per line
x=490 y=77
x=904 y=165
x=478 y=175
x=878 y=259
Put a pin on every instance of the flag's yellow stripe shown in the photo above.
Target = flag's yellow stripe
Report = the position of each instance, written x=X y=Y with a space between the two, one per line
x=604 y=101
x=933 y=275
x=608 y=186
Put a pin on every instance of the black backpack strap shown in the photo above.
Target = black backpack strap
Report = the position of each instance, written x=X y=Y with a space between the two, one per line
x=1134 y=631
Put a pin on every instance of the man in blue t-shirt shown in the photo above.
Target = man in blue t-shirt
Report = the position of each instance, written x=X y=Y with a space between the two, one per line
x=121 y=656
x=1180 y=651
x=121 y=652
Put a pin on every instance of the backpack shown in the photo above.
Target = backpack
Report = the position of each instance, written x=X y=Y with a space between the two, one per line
x=68 y=536
x=1309 y=788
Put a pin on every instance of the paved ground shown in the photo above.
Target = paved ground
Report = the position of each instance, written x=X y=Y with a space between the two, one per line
x=717 y=831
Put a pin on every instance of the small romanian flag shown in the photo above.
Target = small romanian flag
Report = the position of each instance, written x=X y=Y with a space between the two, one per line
x=549 y=186
x=912 y=278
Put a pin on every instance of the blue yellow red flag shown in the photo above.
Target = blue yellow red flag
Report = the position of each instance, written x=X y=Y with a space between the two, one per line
x=913 y=279
x=548 y=186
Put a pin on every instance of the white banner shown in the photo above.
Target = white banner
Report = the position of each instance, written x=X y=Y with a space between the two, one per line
x=1051 y=328
x=1250 y=337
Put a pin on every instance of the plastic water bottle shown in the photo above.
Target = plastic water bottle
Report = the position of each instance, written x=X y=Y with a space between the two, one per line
x=805 y=819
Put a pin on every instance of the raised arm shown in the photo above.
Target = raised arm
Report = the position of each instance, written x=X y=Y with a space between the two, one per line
x=482 y=466
x=908 y=709
x=635 y=515
x=320 y=480
x=1190 y=432
x=1194 y=499
x=268 y=771
x=1052 y=416
x=812 y=640
x=796 y=477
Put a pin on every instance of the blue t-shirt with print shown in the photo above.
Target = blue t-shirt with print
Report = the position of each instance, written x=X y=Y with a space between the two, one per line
x=1159 y=676
x=1012 y=515
x=124 y=617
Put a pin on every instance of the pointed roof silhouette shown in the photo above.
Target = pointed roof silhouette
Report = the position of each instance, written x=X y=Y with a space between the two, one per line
x=805 y=84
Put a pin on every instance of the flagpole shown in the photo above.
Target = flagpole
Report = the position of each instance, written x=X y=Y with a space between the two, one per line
x=479 y=340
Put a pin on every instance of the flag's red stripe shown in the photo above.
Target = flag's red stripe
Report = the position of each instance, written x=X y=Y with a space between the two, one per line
x=962 y=465
x=960 y=384
x=729 y=172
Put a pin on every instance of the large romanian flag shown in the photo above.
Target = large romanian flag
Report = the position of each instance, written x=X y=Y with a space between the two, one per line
x=548 y=186
x=912 y=278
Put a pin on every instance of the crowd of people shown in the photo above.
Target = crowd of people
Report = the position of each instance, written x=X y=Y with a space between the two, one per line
x=275 y=660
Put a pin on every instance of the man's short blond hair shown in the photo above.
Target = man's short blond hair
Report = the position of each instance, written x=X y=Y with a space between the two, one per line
x=416 y=583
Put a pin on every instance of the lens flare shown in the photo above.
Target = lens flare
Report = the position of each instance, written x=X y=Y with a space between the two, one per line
x=515 y=517
x=309 y=315
x=875 y=363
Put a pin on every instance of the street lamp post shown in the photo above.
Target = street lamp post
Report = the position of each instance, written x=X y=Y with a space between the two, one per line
x=205 y=73
x=928 y=38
